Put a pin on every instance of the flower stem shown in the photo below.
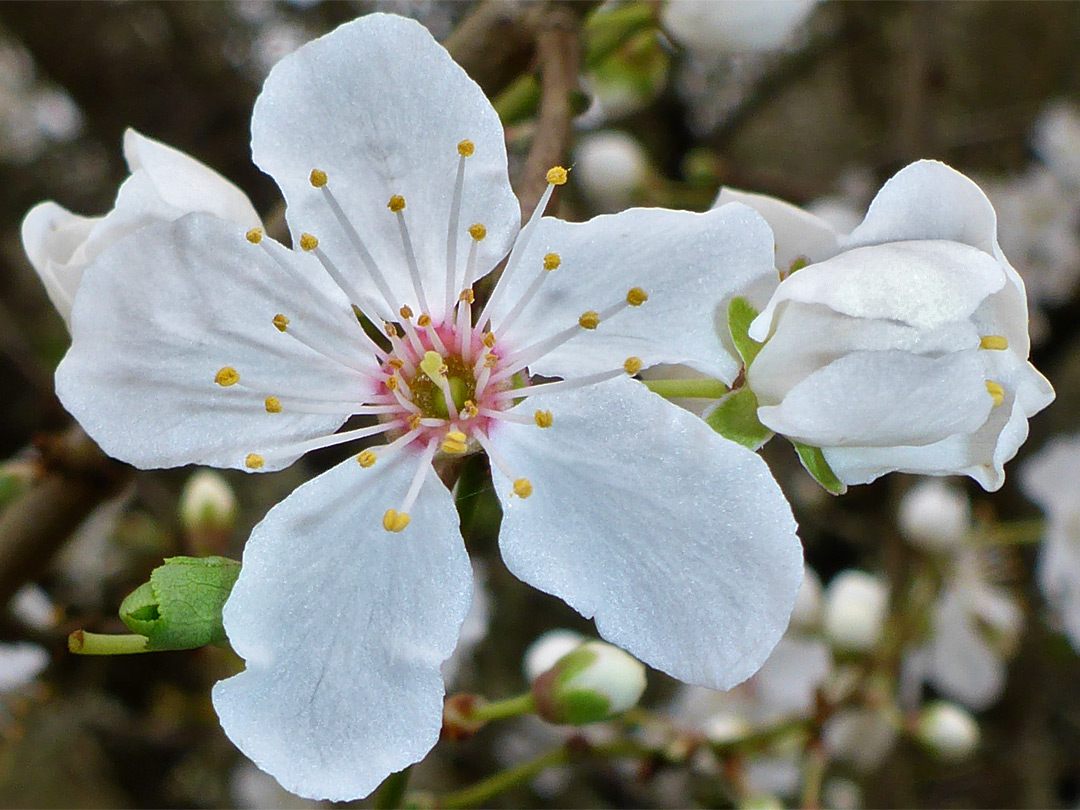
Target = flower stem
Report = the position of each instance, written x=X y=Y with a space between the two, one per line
x=1012 y=533
x=687 y=389
x=83 y=643
x=392 y=791
x=502 y=709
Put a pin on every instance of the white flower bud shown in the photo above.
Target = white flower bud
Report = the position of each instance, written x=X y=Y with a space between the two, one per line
x=725 y=727
x=855 y=608
x=948 y=730
x=207 y=503
x=610 y=167
x=593 y=682
x=734 y=26
x=934 y=515
x=546 y=651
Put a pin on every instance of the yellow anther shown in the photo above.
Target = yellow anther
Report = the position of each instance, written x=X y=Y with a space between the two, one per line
x=366 y=459
x=636 y=297
x=469 y=410
x=390 y=329
x=489 y=340
x=632 y=365
x=556 y=175
x=589 y=320
x=394 y=521
x=432 y=365
x=996 y=391
x=308 y=242
x=397 y=203
x=254 y=461
x=226 y=377
x=424 y=321
x=552 y=261
x=414 y=421
x=465 y=148
x=394 y=362
x=405 y=312
x=273 y=405
x=478 y=231
x=281 y=322
x=994 y=342
x=455 y=443
x=318 y=178
x=255 y=235
x=522 y=488
x=391 y=383
x=491 y=360
x=467 y=296
x=543 y=419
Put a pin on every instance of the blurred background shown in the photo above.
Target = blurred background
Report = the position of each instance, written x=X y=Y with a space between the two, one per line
x=817 y=103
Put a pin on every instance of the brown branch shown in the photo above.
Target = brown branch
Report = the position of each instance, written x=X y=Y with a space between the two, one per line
x=77 y=478
x=495 y=44
x=558 y=49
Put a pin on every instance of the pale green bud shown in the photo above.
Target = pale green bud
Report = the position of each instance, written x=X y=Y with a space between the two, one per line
x=947 y=730
x=207 y=503
x=593 y=682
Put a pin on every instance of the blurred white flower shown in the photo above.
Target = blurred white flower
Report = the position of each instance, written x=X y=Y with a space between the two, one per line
x=610 y=168
x=948 y=730
x=856 y=604
x=1056 y=140
x=907 y=349
x=863 y=737
x=1049 y=478
x=934 y=515
x=734 y=26
x=807 y=612
x=207 y=502
x=20 y=663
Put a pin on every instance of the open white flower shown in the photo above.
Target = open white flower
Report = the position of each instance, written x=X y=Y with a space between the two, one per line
x=194 y=344
x=1050 y=480
x=906 y=350
x=165 y=184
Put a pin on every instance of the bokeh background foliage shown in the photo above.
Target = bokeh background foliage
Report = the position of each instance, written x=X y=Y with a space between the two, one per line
x=866 y=88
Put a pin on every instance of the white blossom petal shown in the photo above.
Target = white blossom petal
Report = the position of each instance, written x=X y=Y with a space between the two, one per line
x=159 y=313
x=53 y=239
x=343 y=627
x=381 y=107
x=798 y=233
x=884 y=399
x=690 y=265
x=922 y=283
x=678 y=542
x=928 y=200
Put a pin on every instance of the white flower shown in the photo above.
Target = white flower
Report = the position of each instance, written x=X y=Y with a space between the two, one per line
x=610 y=167
x=948 y=730
x=907 y=349
x=165 y=184
x=856 y=604
x=194 y=344
x=1057 y=140
x=934 y=516
x=734 y=26
x=1049 y=479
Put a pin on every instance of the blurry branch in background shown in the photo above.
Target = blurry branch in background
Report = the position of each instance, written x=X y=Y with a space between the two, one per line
x=76 y=478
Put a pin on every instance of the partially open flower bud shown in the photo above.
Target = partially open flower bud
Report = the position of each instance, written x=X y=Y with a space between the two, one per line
x=593 y=682
x=855 y=606
x=947 y=730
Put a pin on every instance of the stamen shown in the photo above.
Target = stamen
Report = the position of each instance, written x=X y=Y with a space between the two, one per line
x=330 y=353
x=318 y=178
x=455 y=443
x=227 y=376
x=402 y=400
x=254 y=236
x=632 y=365
x=410 y=331
x=432 y=333
x=394 y=522
x=489 y=340
x=273 y=405
x=306 y=446
x=520 y=244
x=352 y=293
x=507 y=416
x=543 y=419
x=498 y=461
x=994 y=343
x=551 y=262
x=556 y=176
x=469 y=410
x=254 y=461
x=589 y=320
x=518 y=360
x=997 y=391
x=366 y=459
x=635 y=297
x=465 y=149
x=358 y=246
x=399 y=519
x=566 y=385
x=397 y=205
x=522 y=488
x=281 y=322
x=464 y=308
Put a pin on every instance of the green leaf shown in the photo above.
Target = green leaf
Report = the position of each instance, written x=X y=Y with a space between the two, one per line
x=180 y=607
x=741 y=314
x=736 y=418
x=814 y=461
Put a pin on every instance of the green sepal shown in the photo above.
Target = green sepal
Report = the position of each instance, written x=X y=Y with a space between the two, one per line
x=180 y=607
x=814 y=461
x=736 y=418
x=570 y=706
x=741 y=314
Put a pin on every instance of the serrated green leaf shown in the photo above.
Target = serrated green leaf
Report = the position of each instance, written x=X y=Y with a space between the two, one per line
x=814 y=461
x=180 y=607
x=736 y=418
x=741 y=314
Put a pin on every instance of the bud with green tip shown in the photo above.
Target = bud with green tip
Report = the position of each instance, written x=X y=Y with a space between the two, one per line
x=947 y=730
x=180 y=607
x=207 y=511
x=593 y=682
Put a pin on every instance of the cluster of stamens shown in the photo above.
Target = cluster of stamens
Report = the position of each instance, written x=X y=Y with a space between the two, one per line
x=440 y=383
